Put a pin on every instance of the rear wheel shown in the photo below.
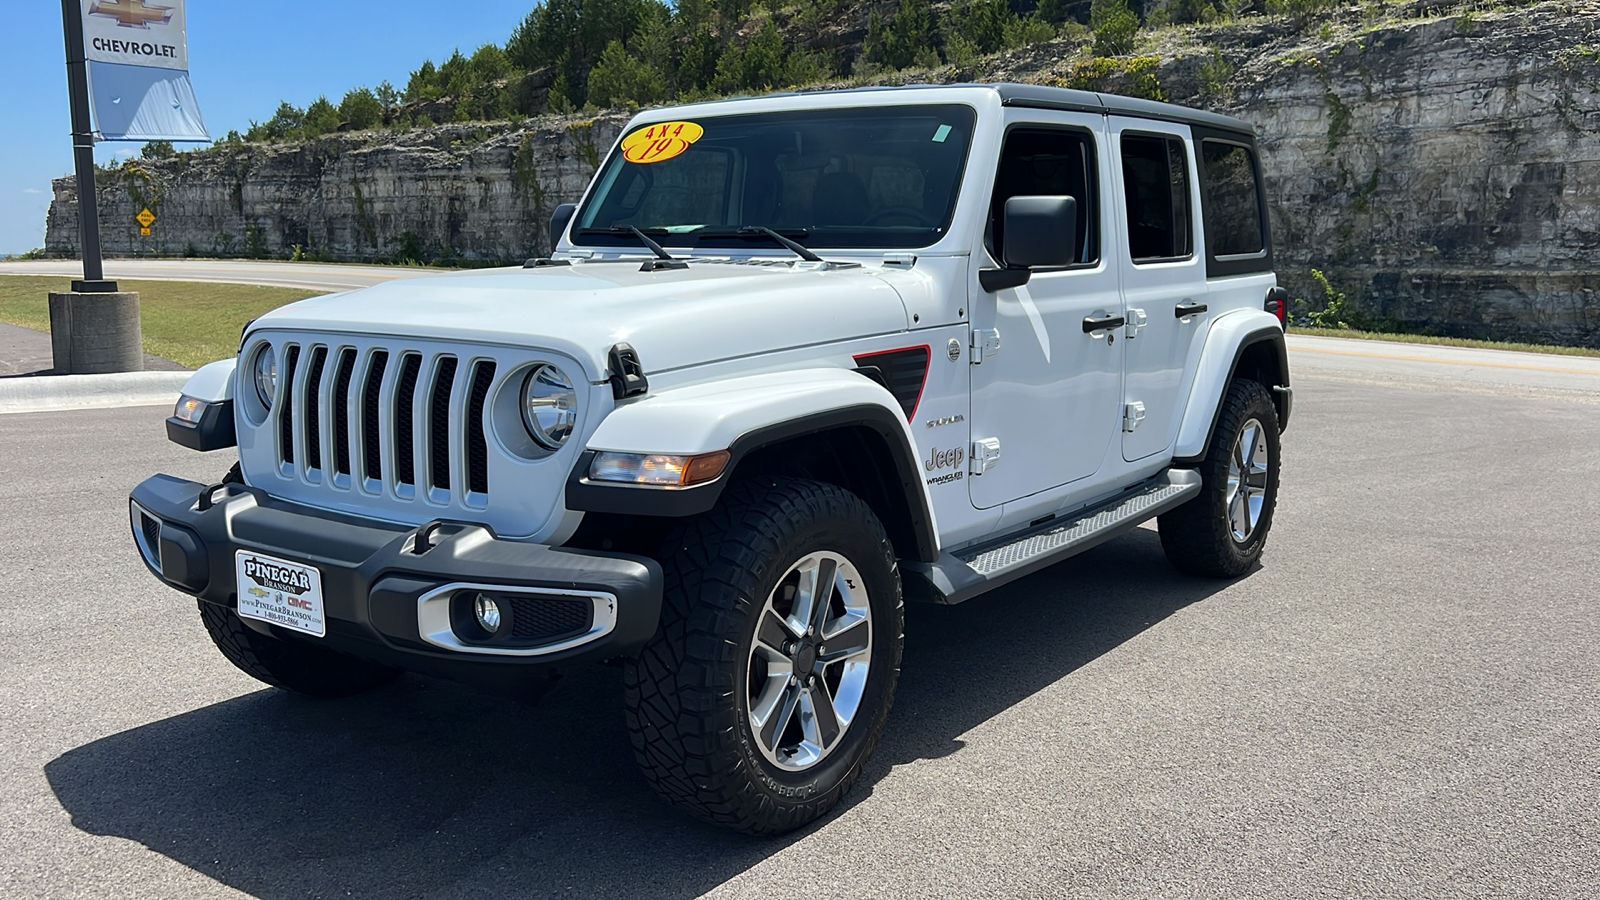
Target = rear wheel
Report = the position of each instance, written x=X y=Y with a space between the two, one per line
x=1222 y=532
x=770 y=679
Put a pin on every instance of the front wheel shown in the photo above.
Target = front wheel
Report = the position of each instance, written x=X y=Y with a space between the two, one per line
x=770 y=679
x=290 y=664
x=1222 y=532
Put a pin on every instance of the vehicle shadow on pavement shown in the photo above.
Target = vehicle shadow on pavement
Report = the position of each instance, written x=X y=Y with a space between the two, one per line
x=430 y=789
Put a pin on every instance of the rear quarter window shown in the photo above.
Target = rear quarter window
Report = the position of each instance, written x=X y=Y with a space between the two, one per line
x=1235 y=218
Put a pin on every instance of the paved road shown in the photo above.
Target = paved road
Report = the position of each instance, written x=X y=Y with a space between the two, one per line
x=308 y=276
x=1401 y=702
x=1462 y=367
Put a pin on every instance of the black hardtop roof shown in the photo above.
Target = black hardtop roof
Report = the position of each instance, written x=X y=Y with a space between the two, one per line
x=1037 y=96
x=1041 y=97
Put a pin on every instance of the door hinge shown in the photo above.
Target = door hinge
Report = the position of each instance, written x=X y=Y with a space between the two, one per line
x=985 y=455
x=985 y=343
x=1132 y=415
x=1136 y=322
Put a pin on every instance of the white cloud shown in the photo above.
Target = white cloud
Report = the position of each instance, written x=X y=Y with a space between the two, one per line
x=32 y=191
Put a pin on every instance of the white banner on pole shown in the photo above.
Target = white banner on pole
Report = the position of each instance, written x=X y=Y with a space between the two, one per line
x=138 y=54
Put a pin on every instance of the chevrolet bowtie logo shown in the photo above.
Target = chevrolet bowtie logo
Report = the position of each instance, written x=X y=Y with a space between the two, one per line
x=131 y=13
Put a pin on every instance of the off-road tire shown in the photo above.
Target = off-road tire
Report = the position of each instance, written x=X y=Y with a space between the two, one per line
x=1197 y=536
x=290 y=664
x=685 y=695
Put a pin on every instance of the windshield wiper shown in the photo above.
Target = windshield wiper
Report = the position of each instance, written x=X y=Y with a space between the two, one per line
x=663 y=260
x=762 y=231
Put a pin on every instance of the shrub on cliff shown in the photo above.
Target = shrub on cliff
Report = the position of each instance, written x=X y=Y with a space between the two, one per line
x=1114 y=26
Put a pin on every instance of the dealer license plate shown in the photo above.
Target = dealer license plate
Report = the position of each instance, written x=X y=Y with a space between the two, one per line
x=284 y=593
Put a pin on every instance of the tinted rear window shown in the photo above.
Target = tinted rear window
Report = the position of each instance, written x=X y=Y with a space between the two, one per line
x=1233 y=206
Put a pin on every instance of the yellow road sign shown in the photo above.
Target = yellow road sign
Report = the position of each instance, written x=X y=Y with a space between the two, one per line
x=145 y=220
x=144 y=232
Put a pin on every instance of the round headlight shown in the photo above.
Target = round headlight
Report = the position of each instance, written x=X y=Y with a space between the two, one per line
x=549 y=406
x=266 y=373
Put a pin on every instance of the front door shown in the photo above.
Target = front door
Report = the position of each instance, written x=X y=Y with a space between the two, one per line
x=1163 y=276
x=1051 y=393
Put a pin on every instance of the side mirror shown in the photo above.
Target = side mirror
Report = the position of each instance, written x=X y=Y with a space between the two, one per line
x=1040 y=232
x=559 y=220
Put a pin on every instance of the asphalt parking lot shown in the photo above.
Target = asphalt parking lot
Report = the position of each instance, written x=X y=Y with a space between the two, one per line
x=1400 y=702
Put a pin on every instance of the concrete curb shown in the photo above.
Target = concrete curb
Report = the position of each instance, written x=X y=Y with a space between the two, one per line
x=50 y=393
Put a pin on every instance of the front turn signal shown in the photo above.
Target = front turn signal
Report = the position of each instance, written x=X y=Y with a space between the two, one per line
x=190 y=409
x=658 y=469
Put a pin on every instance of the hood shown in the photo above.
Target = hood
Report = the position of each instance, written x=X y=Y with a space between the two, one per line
x=710 y=311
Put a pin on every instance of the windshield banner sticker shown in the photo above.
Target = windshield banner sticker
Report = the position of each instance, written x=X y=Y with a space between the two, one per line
x=660 y=142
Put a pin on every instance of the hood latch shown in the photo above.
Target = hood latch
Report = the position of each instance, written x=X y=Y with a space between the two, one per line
x=627 y=373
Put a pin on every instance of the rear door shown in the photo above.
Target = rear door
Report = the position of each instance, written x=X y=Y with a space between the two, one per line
x=1162 y=264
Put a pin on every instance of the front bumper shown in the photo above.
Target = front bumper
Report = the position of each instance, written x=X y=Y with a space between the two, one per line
x=381 y=582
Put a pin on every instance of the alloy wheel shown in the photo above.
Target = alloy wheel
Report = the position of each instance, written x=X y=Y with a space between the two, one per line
x=809 y=661
x=1248 y=467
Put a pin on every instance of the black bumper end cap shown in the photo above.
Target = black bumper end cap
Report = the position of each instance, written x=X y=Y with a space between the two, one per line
x=214 y=431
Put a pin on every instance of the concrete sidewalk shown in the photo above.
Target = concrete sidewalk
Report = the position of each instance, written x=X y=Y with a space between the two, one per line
x=27 y=385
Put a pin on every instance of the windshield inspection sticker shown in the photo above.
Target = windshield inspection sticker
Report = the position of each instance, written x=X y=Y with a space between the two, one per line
x=660 y=142
x=941 y=134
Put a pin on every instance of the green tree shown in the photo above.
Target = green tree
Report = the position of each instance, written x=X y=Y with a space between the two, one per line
x=622 y=77
x=387 y=96
x=361 y=108
x=157 y=150
x=764 y=59
x=424 y=84
x=1058 y=11
x=1114 y=25
x=284 y=125
x=571 y=35
x=1022 y=31
x=698 y=60
x=981 y=23
x=321 y=118
x=897 y=43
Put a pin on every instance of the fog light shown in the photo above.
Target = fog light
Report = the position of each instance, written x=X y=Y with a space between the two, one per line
x=488 y=613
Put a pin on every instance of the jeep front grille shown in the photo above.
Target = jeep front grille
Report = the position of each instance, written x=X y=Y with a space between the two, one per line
x=333 y=412
x=409 y=429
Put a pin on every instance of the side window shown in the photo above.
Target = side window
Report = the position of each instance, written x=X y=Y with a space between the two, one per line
x=1053 y=163
x=1233 y=207
x=1155 y=181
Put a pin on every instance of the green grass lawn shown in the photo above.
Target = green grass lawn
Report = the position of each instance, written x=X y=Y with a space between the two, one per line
x=192 y=324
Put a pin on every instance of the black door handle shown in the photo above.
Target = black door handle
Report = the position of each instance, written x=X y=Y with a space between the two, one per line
x=1091 y=324
x=1185 y=310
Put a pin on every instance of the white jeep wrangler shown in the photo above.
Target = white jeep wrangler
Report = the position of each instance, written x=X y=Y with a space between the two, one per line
x=792 y=359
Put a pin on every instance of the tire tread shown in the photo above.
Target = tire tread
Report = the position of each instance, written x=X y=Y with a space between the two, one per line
x=679 y=700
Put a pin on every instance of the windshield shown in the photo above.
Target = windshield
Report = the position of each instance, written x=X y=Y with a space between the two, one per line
x=880 y=177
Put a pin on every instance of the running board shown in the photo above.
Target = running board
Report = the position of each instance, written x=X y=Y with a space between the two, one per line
x=969 y=572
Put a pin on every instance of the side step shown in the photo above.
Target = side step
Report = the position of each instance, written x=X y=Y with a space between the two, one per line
x=971 y=571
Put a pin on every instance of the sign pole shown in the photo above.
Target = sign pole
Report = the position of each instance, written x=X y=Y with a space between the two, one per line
x=83 y=154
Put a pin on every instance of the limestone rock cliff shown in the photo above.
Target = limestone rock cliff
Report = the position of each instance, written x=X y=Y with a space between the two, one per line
x=465 y=193
x=1443 y=170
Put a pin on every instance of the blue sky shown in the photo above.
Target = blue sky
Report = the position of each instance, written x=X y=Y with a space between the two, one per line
x=243 y=59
